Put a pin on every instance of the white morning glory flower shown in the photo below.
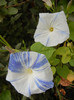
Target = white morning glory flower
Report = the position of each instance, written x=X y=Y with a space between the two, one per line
x=52 y=29
x=29 y=73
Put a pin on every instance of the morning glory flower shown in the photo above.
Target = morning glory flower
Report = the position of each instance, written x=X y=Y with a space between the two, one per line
x=52 y=29
x=29 y=73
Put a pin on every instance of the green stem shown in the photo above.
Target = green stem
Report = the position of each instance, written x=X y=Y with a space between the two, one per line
x=67 y=15
x=18 y=4
x=52 y=9
x=60 y=97
x=11 y=50
x=4 y=41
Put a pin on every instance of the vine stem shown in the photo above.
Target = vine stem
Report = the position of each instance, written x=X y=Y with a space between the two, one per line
x=18 y=4
x=4 y=41
x=60 y=97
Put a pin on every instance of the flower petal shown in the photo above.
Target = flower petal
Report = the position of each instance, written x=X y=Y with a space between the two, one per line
x=61 y=22
x=58 y=34
x=20 y=81
x=45 y=74
x=46 y=84
x=40 y=62
x=15 y=60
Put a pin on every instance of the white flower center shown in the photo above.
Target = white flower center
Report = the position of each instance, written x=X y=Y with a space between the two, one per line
x=51 y=29
x=29 y=71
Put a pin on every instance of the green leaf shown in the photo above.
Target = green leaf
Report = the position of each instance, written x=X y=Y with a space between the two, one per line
x=3 y=11
x=15 y=18
x=71 y=62
x=71 y=9
x=53 y=69
x=5 y=95
x=47 y=51
x=54 y=61
x=71 y=26
x=62 y=71
x=3 y=2
x=12 y=11
x=12 y=2
x=66 y=59
x=65 y=53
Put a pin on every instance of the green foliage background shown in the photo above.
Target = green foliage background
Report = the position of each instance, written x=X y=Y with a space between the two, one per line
x=18 y=21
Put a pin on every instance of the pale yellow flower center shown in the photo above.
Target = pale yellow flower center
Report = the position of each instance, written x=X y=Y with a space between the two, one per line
x=51 y=29
x=29 y=71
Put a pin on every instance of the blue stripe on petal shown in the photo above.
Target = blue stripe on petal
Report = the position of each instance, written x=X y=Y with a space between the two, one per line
x=44 y=22
x=29 y=91
x=36 y=60
x=43 y=33
x=25 y=58
x=44 y=84
x=56 y=16
x=48 y=86
x=28 y=59
x=15 y=63
x=50 y=83
x=41 y=63
x=16 y=79
x=42 y=69
x=37 y=35
x=40 y=87
x=63 y=32
x=47 y=41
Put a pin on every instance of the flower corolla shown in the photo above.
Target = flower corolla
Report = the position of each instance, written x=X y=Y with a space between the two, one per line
x=29 y=73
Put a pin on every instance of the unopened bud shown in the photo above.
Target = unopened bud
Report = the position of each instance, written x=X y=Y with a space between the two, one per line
x=48 y=2
x=69 y=5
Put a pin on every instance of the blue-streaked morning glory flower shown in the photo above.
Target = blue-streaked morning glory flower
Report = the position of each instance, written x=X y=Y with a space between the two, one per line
x=29 y=73
x=52 y=29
